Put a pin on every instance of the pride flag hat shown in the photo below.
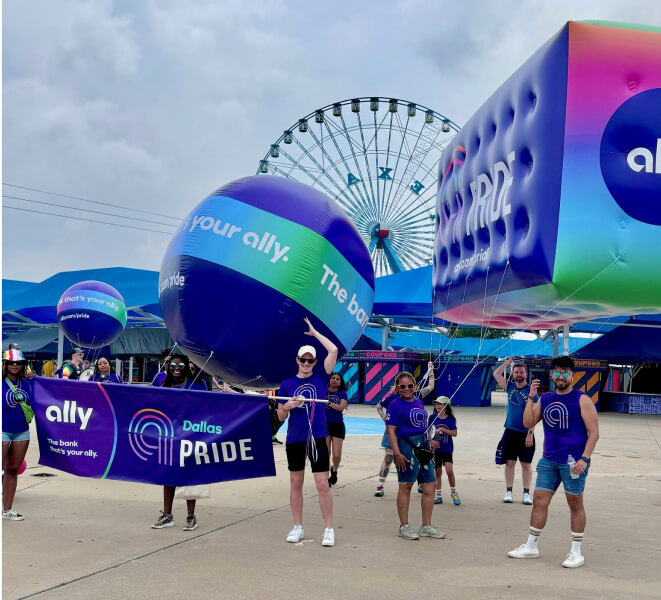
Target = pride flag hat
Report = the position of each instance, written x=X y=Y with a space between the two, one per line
x=15 y=355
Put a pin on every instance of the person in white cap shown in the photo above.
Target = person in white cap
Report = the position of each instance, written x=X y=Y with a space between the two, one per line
x=306 y=433
x=445 y=428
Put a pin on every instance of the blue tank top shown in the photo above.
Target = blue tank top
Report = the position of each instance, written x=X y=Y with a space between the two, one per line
x=564 y=429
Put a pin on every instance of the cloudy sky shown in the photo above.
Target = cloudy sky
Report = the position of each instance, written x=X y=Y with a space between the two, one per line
x=153 y=104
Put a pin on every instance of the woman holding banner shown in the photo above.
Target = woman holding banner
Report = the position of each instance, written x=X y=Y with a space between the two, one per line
x=307 y=431
x=178 y=376
x=104 y=372
x=16 y=395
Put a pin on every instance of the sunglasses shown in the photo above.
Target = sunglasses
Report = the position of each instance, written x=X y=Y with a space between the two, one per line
x=14 y=362
x=405 y=386
x=180 y=365
x=307 y=360
x=565 y=374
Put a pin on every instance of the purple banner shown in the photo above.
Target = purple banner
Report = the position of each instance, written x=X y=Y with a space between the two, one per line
x=151 y=435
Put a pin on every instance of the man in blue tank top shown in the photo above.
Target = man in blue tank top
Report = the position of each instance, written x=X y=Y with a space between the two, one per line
x=518 y=440
x=571 y=431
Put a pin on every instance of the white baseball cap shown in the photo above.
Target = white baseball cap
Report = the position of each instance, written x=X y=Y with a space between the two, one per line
x=307 y=350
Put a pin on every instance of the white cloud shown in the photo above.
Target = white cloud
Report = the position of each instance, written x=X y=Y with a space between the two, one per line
x=154 y=104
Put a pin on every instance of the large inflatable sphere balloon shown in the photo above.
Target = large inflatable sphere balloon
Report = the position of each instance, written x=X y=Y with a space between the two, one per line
x=549 y=200
x=92 y=314
x=248 y=264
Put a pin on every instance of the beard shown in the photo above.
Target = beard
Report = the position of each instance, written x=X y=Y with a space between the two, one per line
x=519 y=379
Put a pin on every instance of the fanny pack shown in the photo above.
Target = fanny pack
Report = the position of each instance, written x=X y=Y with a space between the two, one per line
x=423 y=453
x=28 y=413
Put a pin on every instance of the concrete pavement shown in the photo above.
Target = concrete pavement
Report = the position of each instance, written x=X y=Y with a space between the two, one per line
x=85 y=538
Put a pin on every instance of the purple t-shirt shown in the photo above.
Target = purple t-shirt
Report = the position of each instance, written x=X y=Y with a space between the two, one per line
x=308 y=420
x=159 y=379
x=385 y=402
x=564 y=429
x=332 y=415
x=410 y=418
x=13 y=419
x=112 y=378
x=188 y=384
x=445 y=440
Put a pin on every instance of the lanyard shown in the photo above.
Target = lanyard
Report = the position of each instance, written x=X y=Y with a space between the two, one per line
x=17 y=393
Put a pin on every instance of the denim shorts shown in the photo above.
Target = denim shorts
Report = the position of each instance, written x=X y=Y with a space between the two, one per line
x=385 y=442
x=21 y=436
x=550 y=474
x=414 y=472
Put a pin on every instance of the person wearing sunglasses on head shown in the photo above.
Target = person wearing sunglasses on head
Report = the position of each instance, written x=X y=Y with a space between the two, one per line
x=571 y=431
x=406 y=426
x=179 y=376
x=17 y=392
x=517 y=439
x=307 y=431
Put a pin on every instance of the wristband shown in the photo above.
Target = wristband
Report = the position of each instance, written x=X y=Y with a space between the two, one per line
x=585 y=459
x=532 y=398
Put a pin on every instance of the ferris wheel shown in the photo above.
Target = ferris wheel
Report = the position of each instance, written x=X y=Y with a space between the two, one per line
x=378 y=158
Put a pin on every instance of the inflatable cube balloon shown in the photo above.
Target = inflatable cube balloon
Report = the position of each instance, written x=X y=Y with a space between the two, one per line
x=549 y=198
x=92 y=314
x=248 y=264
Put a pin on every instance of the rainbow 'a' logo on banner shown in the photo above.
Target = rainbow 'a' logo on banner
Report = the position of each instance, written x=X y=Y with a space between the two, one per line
x=151 y=434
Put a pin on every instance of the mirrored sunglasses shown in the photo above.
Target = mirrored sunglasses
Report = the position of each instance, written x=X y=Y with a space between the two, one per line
x=564 y=374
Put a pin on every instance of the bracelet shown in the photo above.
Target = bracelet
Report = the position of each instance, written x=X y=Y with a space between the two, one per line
x=586 y=459
x=532 y=397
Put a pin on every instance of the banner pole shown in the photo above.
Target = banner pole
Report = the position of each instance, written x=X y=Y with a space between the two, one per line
x=299 y=398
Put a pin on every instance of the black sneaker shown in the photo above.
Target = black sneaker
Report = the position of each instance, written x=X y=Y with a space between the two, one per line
x=332 y=480
x=191 y=523
x=275 y=440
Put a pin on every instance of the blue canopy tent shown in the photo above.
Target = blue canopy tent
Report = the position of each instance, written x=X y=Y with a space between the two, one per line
x=498 y=347
x=637 y=341
x=29 y=311
x=29 y=315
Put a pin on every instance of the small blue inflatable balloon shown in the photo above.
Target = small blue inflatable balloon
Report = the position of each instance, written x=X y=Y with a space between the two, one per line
x=248 y=264
x=92 y=314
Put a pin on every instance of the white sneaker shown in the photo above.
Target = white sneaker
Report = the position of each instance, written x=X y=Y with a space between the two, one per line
x=329 y=537
x=430 y=531
x=524 y=551
x=508 y=498
x=527 y=499
x=406 y=532
x=573 y=560
x=296 y=534
x=12 y=515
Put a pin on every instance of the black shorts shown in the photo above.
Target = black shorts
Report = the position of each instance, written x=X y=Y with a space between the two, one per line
x=514 y=446
x=297 y=451
x=440 y=458
x=336 y=430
